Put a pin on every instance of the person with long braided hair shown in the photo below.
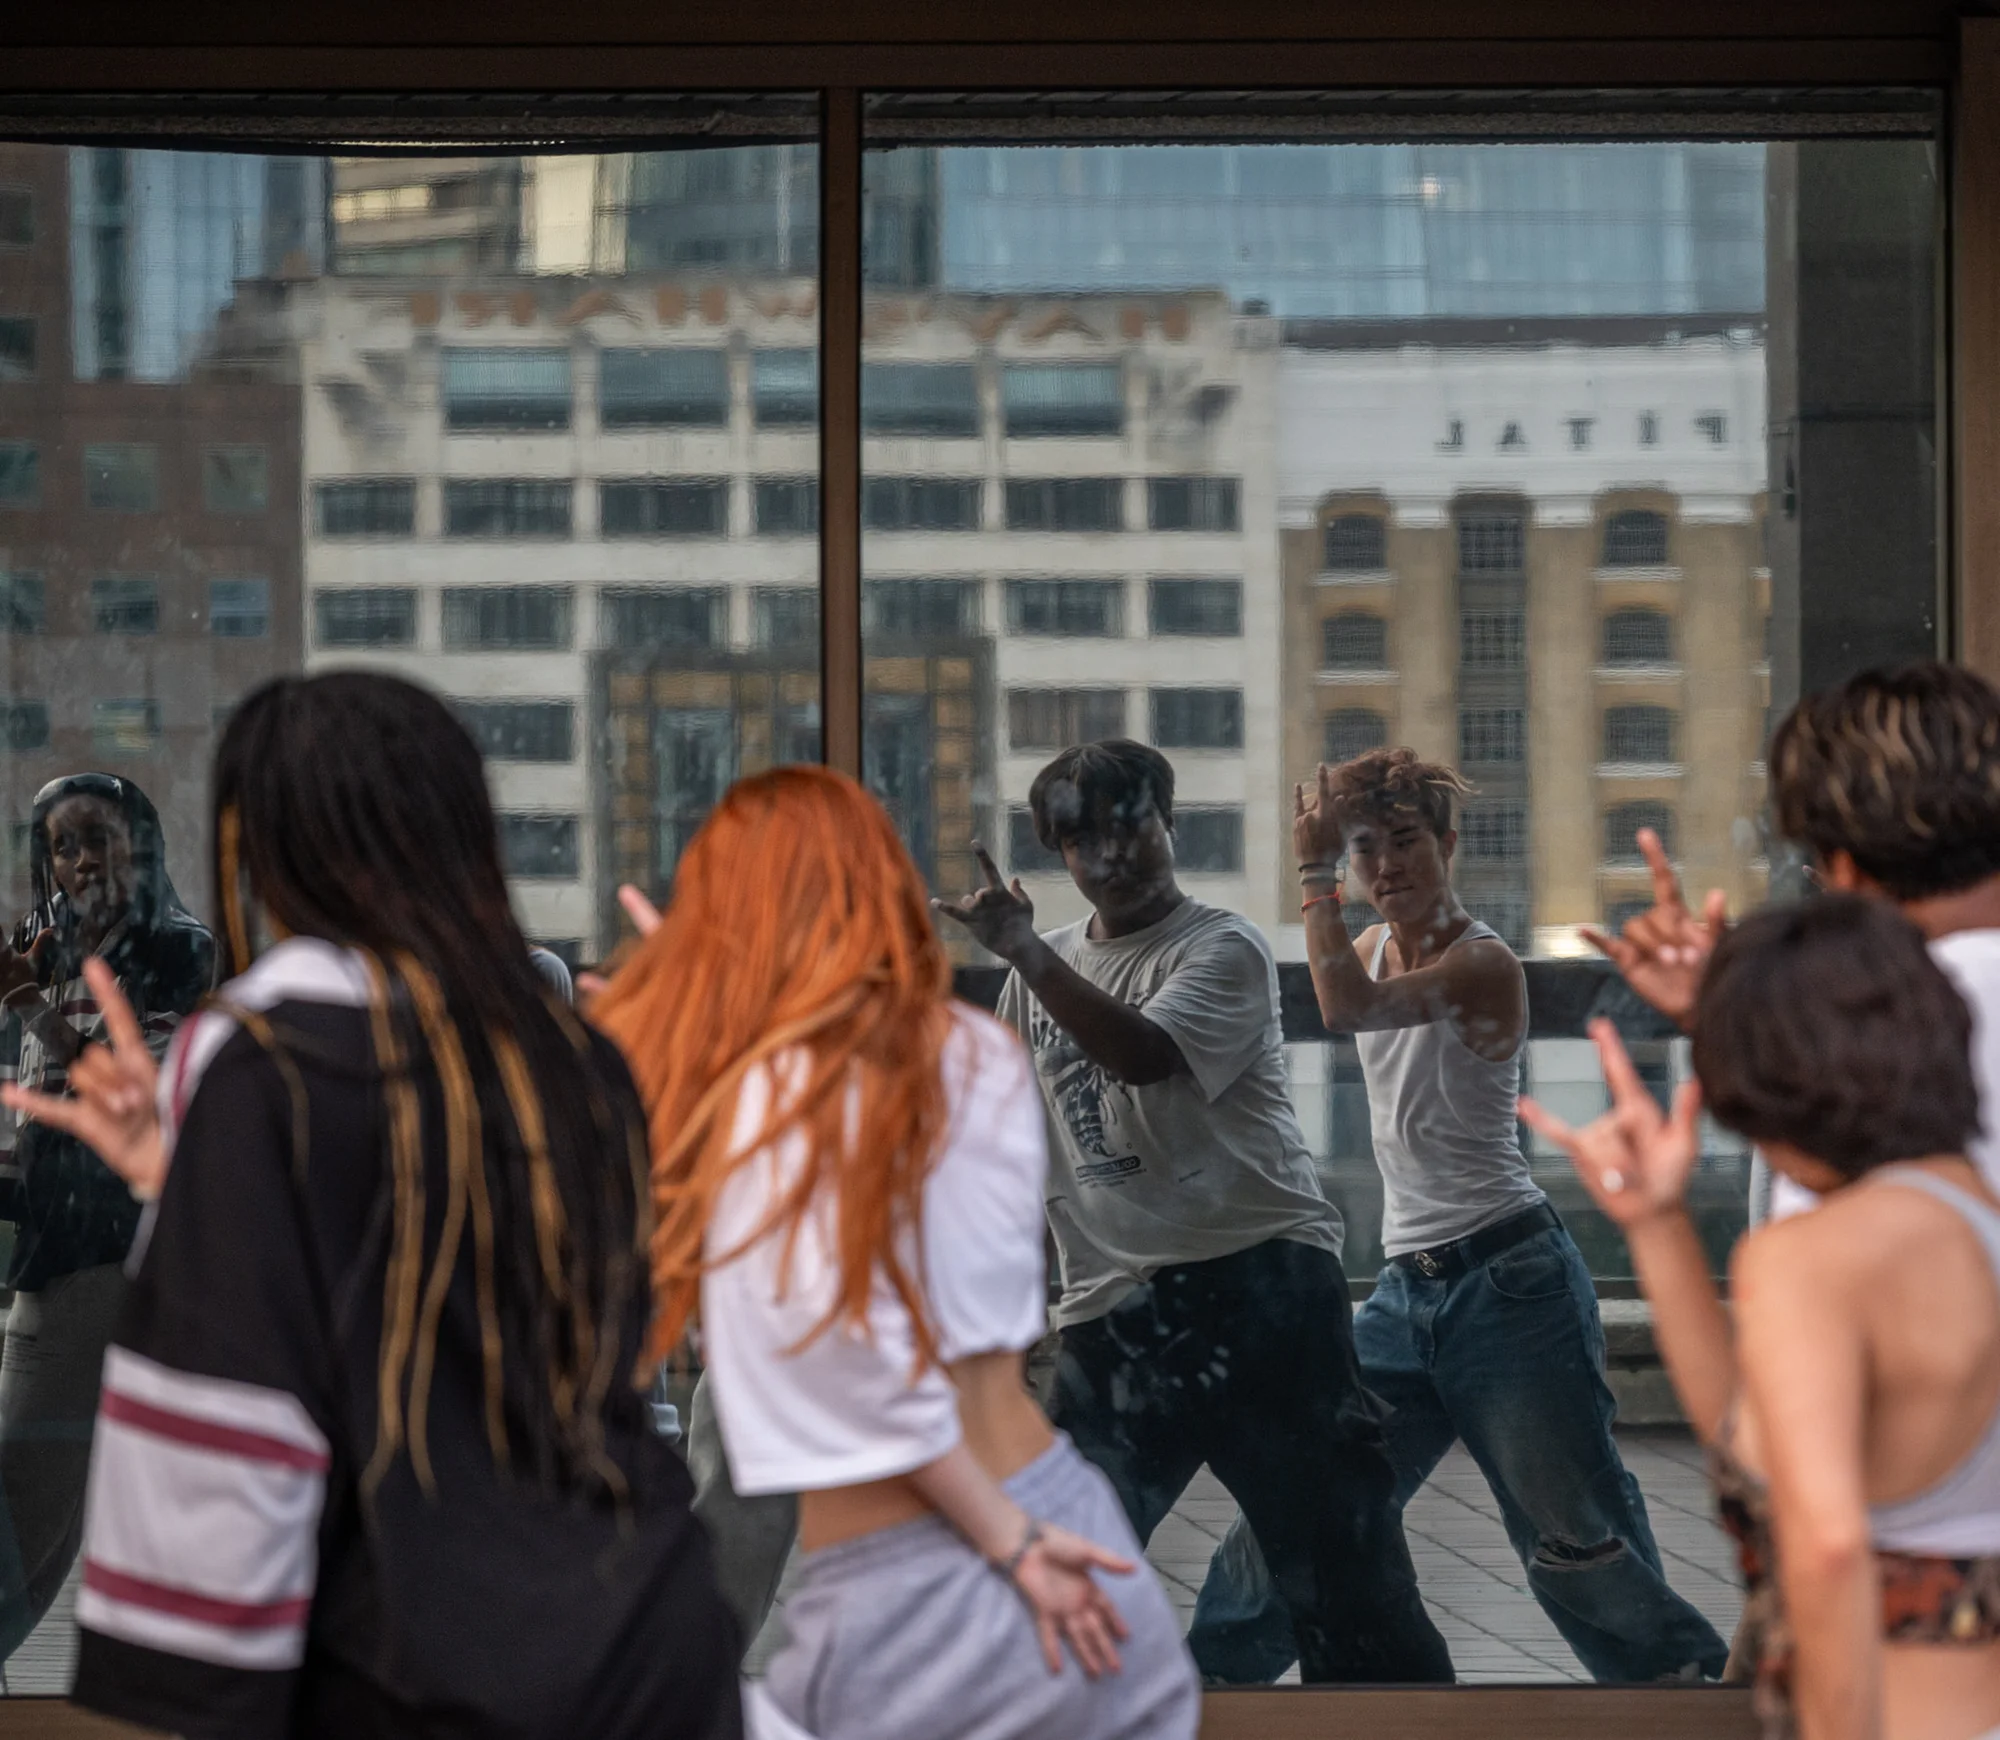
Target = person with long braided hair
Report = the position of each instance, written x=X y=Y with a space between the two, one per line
x=373 y=1454
x=848 y=1174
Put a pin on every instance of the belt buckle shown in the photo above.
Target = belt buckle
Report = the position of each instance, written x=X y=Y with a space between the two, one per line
x=1428 y=1265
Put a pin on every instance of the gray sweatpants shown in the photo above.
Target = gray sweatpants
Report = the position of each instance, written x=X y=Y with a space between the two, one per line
x=908 y=1634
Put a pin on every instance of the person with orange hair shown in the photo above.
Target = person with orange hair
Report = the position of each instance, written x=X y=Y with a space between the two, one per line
x=847 y=1183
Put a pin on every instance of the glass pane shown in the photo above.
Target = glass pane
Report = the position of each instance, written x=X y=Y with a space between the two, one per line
x=1541 y=461
x=540 y=432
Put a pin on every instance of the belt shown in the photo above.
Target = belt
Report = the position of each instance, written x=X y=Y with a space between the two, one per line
x=1448 y=1261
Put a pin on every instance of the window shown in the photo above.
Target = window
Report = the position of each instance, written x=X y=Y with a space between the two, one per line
x=1208 y=839
x=1638 y=734
x=1352 y=731
x=1082 y=607
x=239 y=609
x=508 y=618
x=17 y=217
x=1511 y=436
x=368 y=507
x=23 y=603
x=506 y=389
x=689 y=616
x=1026 y=855
x=1620 y=913
x=1211 y=608
x=1198 y=718
x=646 y=507
x=1622 y=823
x=784 y=387
x=1062 y=399
x=1355 y=544
x=1636 y=538
x=521 y=730
x=1453 y=438
x=788 y=617
x=540 y=848
x=1714 y=426
x=125 y=604
x=1052 y=719
x=17 y=348
x=1492 y=640
x=1493 y=833
x=639 y=389
x=1354 y=641
x=121 y=478
x=364 y=616
x=507 y=507
x=1579 y=432
x=1649 y=429
x=1065 y=504
x=1492 y=734
x=1638 y=637
x=919 y=399
x=125 y=727
x=787 y=507
x=920 y=504
x=20 y=474
x=27 y=724
x=919 y=609
x=1492 y=543
x=235 y=480
x=1192 y=504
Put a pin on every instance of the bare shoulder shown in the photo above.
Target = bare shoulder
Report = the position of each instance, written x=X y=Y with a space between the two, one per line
x=1852 y=1234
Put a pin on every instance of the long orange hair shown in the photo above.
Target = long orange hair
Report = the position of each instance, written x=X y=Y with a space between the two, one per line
x=798 y=925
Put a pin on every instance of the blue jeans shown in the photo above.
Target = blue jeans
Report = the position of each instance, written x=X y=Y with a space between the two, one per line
x=1509 y=1358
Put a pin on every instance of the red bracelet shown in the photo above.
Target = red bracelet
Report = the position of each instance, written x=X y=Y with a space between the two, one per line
x=1318 y=900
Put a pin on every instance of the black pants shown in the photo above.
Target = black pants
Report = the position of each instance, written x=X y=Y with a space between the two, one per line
x=1246 y=1362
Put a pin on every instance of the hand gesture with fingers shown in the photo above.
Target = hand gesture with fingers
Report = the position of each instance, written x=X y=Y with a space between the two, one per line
x=1635 y=1160
x=112 y=1108
x=1054 y=1578
x=1664 y=951
x=1000 y=915
x=1317 y=835
x=645 y=917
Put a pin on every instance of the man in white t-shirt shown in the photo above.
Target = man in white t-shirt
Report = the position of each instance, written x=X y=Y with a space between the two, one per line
x=1205 y=1313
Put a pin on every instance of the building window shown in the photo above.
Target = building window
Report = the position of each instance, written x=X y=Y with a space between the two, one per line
x=235 y=480
x=1065 y=504
x=1208 y=841
x=1620 y=913
x=1209 y=608
x=23 y=603
x=920 y=609
x=520 y=730
x=1453 y=439
x=1636 y=538
x=1492 y=640
x=121 y=478
x=1509 y=914
x=1490 y=833
x=1352 y=731
x=1026 y=855
x=659 y=389
x=646 y=507
x=17 y=348
x=540 y=848
x=784 y=387
x=1579 y=432
x=683 y=616
x=1198 y=718
x=125 y=604
x=919 y=399
x=1621 y=830
x=27 y=726
x=787 y=507
x=920 y=504
x=17 y=217
x=365 y=616
x=239 y=609
x=1354 y=641
x=1638 y=637
x=372 y=507
x=506 y=389
x=1644 y=734
x=1192 y=504
x=1649 y=429
x=1492 y=544
x=1511 y=436
x=20 y=474
x=1051 y=719
x=125 y=727
x=1492 y=734
x=507 y=507
x=787 y=617
x=1066 y=607
x=1062 y=399
x=1715 y=426
x=508 y=618
x=1355 y=544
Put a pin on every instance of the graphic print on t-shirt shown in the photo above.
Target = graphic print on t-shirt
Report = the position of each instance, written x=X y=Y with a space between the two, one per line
x=1090 y=1100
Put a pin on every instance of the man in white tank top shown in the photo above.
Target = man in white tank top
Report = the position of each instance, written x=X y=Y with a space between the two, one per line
x=1483 y=1326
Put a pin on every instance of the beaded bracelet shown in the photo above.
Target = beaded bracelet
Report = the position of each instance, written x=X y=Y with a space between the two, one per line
x=1011 y=1565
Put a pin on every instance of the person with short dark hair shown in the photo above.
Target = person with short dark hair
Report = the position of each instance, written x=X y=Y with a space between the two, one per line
x=1204 y=1313
x=1852 y=1408
x=1483 y=1326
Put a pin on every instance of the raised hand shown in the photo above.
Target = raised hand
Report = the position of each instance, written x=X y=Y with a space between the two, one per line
x=112 y=1108
x=1664 y=951
x=1054 y=1578
x=645 y=917
x=1635 y=1160
x=1317 y=837
x=1000 y=915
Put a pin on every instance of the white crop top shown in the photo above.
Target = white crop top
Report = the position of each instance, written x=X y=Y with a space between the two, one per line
x=844 y=1408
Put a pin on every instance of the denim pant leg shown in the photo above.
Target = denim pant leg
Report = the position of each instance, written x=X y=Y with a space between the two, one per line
x=1520 y=1366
